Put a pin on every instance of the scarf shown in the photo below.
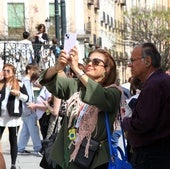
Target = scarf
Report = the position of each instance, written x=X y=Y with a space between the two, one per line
x=86 y=125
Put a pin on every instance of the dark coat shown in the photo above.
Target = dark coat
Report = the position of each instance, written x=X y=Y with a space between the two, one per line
x=150 y=121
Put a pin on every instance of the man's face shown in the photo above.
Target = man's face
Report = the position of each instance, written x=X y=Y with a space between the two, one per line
x=137 y=63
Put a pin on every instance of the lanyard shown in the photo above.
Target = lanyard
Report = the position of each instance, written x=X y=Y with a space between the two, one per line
x=81 y=115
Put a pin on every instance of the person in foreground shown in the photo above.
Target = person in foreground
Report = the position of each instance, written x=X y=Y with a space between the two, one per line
x=148 y=130
x=89 y=96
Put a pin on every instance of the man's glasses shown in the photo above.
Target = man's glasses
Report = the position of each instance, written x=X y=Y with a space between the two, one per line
x=131 y=60
x=95 y=61
x=6 y=70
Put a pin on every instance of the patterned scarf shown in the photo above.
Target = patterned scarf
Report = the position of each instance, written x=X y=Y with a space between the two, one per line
x=87 y=123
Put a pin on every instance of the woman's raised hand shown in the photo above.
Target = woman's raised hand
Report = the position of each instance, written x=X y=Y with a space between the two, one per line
x=73 y=58
x=62 y=60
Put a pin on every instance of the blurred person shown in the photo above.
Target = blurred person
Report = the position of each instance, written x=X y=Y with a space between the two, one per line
x=148 y=129
x=89 y=95
x=135 y=89
x=127 y=108
x=25 y=48
x=55 y=48
x=43 y=95
x=45 y=107
x=135 y=86
x=126 y=91
x=53 y=106
x=13 y=93
x=29 y=127
x=40 y=38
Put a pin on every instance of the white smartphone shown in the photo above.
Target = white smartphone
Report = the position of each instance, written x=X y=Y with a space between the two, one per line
x=69 y=41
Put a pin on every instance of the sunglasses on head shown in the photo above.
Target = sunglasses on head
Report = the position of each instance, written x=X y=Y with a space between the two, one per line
x=95 y=61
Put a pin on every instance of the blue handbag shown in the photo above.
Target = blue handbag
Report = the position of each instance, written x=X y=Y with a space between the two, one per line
x=115 y=161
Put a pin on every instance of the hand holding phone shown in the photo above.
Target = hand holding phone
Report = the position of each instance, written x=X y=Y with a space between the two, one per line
x=69 y=41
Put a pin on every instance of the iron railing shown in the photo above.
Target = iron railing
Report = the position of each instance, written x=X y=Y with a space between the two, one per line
x=21 y=54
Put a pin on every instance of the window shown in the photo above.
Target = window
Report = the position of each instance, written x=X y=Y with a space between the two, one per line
x=15 y=19
x=52 y=10
x=52 y=18
x=16 y=15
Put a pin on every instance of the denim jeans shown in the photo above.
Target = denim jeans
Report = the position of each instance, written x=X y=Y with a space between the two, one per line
x=29 y=129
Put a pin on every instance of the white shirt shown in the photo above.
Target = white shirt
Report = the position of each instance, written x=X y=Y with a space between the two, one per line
x=43 y=96
x=26 y=49
x=5 y=119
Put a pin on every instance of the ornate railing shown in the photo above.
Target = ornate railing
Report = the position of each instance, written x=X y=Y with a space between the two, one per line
x=21 y=54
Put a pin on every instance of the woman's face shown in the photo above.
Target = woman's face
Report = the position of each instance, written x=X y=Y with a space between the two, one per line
x=42 y=29
x=8 y=72
x=96 y=66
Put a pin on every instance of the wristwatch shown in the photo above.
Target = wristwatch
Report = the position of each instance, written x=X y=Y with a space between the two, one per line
x=79 y=74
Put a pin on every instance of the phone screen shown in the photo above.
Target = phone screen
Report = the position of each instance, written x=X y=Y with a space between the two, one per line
x=69 y=41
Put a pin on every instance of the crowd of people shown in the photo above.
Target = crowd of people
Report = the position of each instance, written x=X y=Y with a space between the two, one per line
x=37 y=48
x=88 y=92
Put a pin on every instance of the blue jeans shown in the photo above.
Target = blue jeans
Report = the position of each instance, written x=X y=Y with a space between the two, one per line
x=29 y=129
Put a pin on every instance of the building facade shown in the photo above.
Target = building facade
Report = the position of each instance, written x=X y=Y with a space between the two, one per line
x=98 y=23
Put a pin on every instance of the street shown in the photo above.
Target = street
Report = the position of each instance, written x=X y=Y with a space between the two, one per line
x=23 y=161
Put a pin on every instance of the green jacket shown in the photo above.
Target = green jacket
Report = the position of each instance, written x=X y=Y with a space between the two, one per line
x=106 y=99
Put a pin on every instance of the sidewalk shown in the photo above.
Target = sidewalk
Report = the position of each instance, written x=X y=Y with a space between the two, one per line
x=23 y=161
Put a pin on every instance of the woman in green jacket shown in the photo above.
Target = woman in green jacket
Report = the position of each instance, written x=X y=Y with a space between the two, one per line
x=89 y=96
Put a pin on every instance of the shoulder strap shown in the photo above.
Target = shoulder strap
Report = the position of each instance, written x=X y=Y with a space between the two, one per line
x=123 y=135
x=112 y=150
x=108 y=135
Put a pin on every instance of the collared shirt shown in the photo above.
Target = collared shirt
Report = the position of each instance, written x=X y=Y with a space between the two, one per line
x=43 y=96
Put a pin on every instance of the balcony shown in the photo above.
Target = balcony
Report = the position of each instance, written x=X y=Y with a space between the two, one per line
x=90 y=2
x=103 y=17
x=96 y=5
x=88 y=28
x=122 y=2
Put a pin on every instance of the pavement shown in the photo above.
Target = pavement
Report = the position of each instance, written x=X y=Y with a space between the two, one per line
x=23 y=161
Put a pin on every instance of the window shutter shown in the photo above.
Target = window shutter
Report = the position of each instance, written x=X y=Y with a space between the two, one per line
x=16 y=15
